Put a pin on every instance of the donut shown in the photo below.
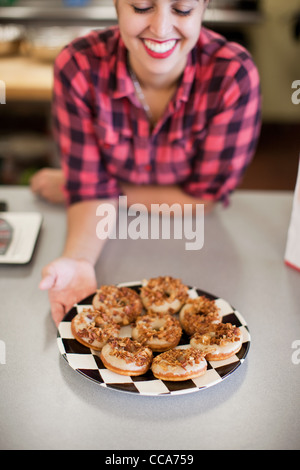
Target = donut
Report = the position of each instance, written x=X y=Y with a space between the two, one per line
x=163 y=294
x=126 y=356
x=197 y=313
x=219 y=342
x=179 y=364
x=93 y=328
x=158 y=331
x=123 y=303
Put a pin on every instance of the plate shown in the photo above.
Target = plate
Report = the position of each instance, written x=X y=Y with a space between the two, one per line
x=87 y=362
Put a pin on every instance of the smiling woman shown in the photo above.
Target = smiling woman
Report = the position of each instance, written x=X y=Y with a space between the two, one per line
x=157 y=109
x=163 y=29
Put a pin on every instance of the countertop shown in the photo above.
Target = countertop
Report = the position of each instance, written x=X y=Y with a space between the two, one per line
x=45 y=404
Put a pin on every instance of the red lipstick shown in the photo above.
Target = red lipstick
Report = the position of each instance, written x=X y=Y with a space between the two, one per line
x=156 y=54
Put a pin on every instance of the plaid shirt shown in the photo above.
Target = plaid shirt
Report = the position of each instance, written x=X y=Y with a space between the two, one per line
x=203 y=142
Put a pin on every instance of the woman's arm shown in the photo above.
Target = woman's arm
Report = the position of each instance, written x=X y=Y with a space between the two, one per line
x=82 y=241
x=150 y=195
x=71 y=277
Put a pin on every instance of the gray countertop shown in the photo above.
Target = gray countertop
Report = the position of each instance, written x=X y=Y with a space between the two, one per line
x=45 y=404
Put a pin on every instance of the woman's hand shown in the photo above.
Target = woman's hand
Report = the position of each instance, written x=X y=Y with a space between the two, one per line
x=48 y=183
x=68 y=281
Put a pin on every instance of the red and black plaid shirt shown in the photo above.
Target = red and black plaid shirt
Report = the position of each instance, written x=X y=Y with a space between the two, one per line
x=204 y=141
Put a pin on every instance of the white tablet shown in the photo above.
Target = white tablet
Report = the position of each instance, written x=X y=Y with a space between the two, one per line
x=18 y=235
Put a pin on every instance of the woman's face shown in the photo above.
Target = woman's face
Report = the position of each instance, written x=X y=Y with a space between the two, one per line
x=159 y=34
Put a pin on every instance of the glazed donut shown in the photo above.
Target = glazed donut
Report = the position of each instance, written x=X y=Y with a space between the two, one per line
x=123 y=303
x=126 y=356
x=179 y=364
x=158 y=331
x=197 y=313
x=163 y=294
x=219 y=342
x=93 y=328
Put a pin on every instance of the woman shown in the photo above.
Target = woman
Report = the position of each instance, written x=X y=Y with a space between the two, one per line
x=155 y=109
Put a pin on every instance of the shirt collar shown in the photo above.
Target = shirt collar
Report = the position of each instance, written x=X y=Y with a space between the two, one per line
x=187 y=78
x=123 y=83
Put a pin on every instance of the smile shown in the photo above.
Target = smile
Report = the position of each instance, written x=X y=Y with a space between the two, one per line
x=159 y=49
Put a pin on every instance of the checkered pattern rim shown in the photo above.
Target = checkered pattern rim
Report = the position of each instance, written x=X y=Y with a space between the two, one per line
x=87 y=362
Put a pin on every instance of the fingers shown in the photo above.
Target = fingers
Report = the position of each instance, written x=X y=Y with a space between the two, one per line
x=58 y=312
x=48 y=184
x=67 y=282
x=53 y=279
x=34 y=185
x=59 y=309
x=37 y=181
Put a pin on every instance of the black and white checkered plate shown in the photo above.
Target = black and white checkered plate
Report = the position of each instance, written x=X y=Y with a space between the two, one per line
x=87 y=362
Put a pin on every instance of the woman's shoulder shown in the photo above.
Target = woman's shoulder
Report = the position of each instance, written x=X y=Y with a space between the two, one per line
x=213 y=49
x=96 y=44
x=97 y=40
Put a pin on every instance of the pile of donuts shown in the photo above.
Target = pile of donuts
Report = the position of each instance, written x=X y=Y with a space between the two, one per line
x=158 y=316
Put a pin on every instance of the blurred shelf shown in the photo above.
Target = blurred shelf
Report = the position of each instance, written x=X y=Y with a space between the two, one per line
x=218 y=17
x=96 y=14
x=26 y=79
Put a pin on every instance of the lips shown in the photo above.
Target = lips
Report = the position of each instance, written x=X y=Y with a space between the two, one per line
x=159 y=49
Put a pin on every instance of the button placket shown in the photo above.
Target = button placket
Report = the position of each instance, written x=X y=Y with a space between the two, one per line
x=143 y=145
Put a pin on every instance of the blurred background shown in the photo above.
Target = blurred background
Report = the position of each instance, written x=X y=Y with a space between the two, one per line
x=32 y=33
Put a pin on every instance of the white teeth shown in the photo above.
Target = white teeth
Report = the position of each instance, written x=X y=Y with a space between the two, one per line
x=160 y=48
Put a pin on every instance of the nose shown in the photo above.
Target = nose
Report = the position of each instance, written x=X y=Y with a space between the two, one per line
x=161 y=22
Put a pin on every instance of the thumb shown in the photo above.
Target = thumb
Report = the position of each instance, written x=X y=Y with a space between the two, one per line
x=48 y=280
